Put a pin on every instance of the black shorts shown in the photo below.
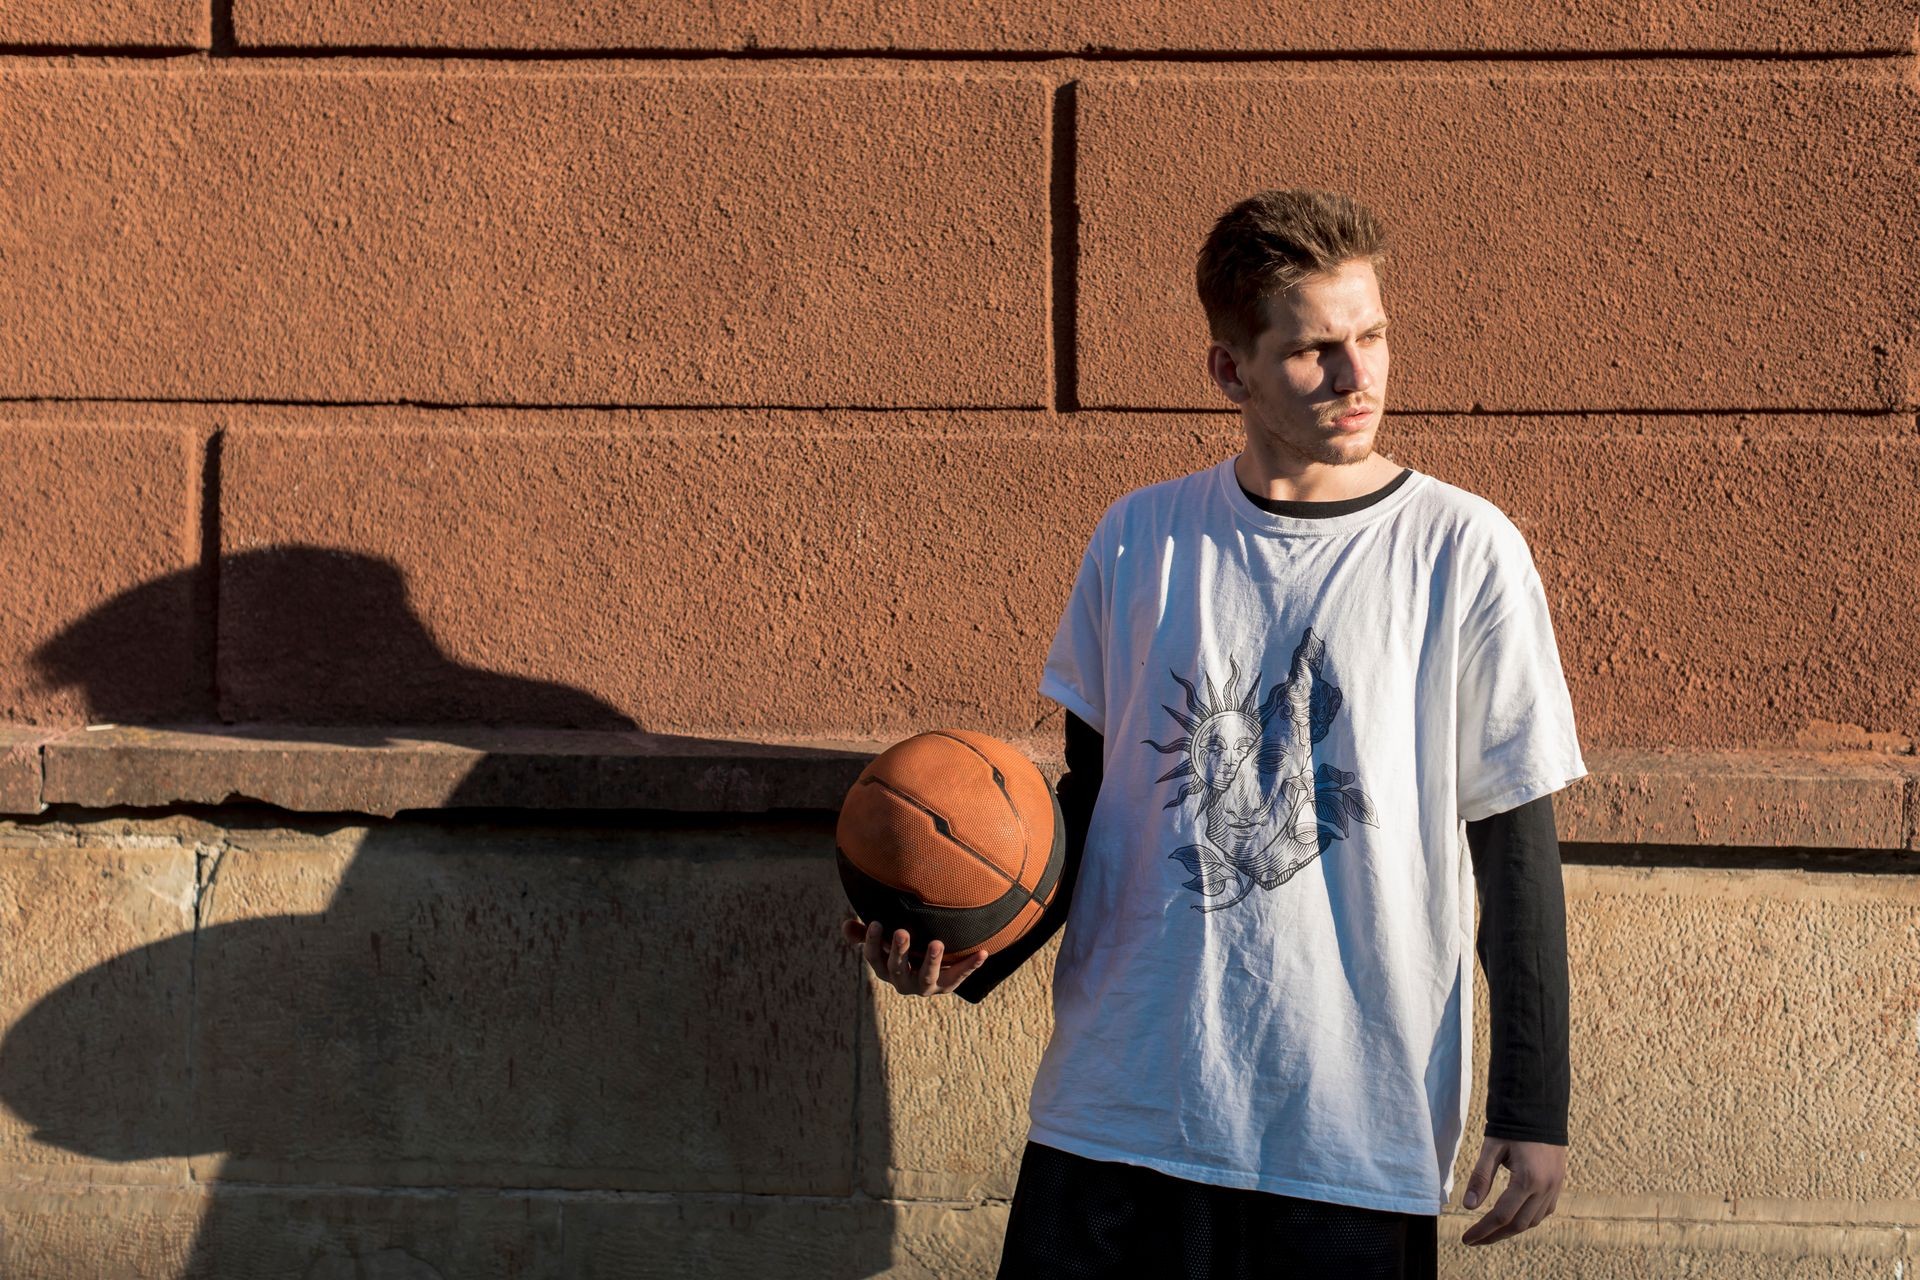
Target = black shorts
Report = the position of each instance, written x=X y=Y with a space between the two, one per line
x=1074 y=1217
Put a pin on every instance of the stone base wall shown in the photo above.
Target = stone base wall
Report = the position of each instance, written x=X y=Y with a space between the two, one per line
x=240 y=1043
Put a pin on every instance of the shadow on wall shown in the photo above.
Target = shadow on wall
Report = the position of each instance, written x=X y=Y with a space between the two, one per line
x=474 y=1005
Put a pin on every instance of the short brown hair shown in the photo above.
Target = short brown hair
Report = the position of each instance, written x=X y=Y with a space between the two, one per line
x=1268 y=243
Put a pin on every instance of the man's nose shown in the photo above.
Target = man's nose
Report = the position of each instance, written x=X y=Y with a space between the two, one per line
x=1350 y=371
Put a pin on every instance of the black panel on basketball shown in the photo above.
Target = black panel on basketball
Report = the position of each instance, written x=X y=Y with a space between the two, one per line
x=958 y=928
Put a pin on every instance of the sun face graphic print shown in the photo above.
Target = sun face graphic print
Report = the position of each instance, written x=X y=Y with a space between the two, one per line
x=1267 y=811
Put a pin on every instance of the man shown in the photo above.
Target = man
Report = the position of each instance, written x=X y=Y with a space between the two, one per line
x=1293 y=679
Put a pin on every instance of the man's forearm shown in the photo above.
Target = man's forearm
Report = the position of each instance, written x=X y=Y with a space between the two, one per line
x=1523 y=948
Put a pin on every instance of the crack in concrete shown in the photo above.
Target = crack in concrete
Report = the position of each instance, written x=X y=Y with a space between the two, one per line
x=207 y=861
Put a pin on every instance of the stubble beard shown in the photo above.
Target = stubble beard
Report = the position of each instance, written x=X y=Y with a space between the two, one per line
x=1332 y=451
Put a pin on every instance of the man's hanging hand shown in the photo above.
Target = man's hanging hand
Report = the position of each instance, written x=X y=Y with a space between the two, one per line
x=1535 y=1173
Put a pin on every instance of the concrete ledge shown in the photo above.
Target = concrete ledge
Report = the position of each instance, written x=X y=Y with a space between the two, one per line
x=376 y=771
x=1777 y=799
x=1797 y=799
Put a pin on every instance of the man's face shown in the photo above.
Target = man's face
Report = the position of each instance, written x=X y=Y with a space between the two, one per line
x=1315 y=384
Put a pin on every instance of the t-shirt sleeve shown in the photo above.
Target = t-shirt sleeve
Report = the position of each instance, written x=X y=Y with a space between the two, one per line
x=1075 y=673
x=1516 y=732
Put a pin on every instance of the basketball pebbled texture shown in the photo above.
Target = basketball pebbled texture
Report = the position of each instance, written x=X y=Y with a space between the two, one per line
x=952 y=835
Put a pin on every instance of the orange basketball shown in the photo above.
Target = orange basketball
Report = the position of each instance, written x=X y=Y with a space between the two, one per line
x=951 y=835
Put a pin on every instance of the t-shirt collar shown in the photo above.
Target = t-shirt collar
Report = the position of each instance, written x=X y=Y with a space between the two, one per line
x=1227 y=487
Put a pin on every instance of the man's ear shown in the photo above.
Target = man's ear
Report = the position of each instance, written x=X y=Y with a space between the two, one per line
x=1223 y=366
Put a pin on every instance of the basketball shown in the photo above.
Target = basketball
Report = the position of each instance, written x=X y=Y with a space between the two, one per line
x=951 y=835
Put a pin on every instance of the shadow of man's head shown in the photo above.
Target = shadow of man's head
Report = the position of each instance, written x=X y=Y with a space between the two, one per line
x=306 y=635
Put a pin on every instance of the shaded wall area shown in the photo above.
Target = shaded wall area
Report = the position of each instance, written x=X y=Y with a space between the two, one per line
x=250 y=1046
x=389 y=392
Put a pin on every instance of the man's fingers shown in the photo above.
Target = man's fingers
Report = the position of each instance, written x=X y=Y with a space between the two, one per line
x=890 y=961
x=1492 y=1226
x=898 y=971
x=1536 y=1212
x=953 y=972
x=929 y=983
x=1541 y=1207
x=1527 y=1219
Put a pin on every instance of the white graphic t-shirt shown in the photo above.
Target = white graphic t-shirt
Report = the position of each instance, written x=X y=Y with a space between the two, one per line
x=1265 y=978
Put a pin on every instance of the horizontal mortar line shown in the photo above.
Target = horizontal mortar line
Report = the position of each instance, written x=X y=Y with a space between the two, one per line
x=1415 y=412
x=1562 y=1214
x=989 y=55
x=498 y=53
x=1083 y=410
x=103 y=52
x=217 y=1185
x=608 y=406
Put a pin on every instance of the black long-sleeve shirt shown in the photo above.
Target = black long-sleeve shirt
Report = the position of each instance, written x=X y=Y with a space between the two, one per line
x=1522 y=933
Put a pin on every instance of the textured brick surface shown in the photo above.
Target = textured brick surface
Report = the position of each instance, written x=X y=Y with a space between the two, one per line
x=1263 y=26
x=748 y=575
x=944 y=1087
x=101 y=1233
x=229 y=1232
x=546 y=237
x=836 y=576
x=652 y=1012
x=1596 y=237
x=82 y=1086
x=763 y=1236
x=1588 y=1250
x=1745 y=1034
x=1723 y=590
x=173 y=24
x=94 y=511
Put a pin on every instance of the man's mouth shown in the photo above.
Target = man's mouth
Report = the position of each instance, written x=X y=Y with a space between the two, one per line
x=1354 y=419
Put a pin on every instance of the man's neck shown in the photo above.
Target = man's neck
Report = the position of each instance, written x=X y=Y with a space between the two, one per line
x=1316 y=481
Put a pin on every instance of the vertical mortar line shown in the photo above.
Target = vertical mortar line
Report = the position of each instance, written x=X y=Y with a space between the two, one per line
x=206 y=873
x=223 y=44
x=1063 y=206
x=1910 y=812
x=208 y=604
x=193 y=1008
x=208 y=653
x=856 y=1165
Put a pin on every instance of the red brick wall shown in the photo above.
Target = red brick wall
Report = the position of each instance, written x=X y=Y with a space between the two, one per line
x=759 y=369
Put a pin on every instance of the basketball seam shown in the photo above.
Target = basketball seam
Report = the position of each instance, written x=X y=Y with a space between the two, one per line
x=1026 y=836
x=941 y=826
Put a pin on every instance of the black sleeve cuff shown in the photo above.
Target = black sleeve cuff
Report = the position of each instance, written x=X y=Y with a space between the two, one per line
x=1079 y=788
x=1517 y=1133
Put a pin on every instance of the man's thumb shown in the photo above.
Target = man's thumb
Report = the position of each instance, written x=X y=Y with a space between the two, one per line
x=1482 y=1176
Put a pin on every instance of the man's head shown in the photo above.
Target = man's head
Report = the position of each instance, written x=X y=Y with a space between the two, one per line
x=1288 y=281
